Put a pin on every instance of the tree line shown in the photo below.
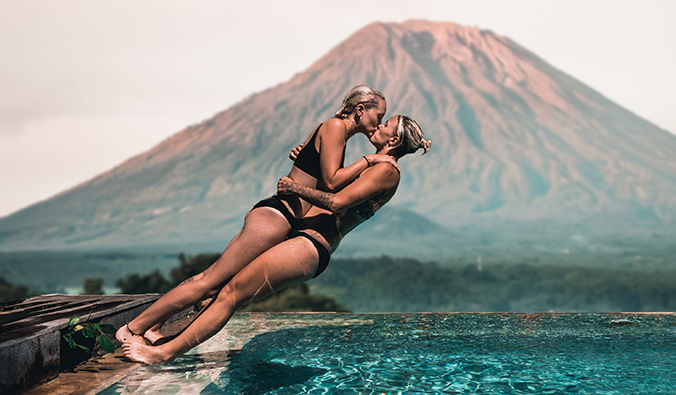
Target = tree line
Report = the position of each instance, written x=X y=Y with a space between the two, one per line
x=386 y=284
x=405 y=285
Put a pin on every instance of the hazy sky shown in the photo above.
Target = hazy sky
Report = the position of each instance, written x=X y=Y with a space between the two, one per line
x=86 y=84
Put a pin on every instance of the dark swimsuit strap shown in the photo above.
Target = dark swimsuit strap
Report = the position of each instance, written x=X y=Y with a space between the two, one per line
x=324 y=255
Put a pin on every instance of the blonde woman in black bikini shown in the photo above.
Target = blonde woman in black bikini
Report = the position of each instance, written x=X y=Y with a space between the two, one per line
x=306 y=252
x=319 y=164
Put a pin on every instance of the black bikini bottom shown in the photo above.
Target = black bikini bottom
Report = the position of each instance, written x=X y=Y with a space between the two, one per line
x=296 y=224
x=321 y=250
x=276 y=203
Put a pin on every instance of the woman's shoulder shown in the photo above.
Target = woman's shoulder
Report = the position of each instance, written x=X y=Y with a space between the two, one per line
x=333 y=124
x=333 y=132
x=385 y=173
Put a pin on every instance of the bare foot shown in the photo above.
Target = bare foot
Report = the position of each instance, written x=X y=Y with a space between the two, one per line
x=153 y=336
x=123 y=334
x=145 y=354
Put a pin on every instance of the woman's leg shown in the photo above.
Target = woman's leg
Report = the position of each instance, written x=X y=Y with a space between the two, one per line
x=263 y=228
x=153 y=334
x=285 y=264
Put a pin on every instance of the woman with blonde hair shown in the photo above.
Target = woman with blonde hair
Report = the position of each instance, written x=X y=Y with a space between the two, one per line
x=305 y=253
x=318 y=164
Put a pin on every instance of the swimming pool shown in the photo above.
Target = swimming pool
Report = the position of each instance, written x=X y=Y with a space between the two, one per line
x=424 y=353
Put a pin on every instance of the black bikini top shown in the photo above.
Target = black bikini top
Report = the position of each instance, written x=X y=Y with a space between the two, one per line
x=308 y=158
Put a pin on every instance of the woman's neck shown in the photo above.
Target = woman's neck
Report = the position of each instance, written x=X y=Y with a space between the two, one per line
x=387 y=151
x=351 y=127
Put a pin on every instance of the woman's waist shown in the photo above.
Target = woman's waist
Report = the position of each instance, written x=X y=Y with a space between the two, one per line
x=329 y=228
x=297 y=205
x=302 y=177
x=323 y=228
x=292 y=203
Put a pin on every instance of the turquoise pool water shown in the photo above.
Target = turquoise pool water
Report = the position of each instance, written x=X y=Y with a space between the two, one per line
x=424 y=353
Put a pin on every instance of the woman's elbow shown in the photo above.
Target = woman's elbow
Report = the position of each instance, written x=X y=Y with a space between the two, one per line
x=337 y=206
x=330 y=186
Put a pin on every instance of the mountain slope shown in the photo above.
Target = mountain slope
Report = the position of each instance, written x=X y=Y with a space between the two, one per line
x=514 y=140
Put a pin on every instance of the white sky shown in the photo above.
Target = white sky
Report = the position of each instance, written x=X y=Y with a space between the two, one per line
x=86 y=84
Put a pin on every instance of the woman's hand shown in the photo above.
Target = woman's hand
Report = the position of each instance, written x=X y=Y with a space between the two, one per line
x=284 y=186
x=294 y=152
x=374 y=159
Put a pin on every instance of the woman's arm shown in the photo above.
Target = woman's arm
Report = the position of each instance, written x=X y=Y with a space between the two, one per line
x=331 y=147
x=377 y=180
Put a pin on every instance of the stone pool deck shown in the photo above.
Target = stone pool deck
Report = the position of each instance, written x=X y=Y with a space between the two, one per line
x=112 y=373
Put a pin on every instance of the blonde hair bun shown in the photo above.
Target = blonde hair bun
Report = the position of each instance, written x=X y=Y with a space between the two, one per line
x=411 y=137
x=425 y=145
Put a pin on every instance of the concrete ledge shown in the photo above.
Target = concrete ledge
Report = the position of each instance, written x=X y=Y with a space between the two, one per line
x=30 y=332
x=29 y=363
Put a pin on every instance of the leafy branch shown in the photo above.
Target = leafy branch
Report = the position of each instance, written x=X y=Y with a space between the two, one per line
x=89 y=330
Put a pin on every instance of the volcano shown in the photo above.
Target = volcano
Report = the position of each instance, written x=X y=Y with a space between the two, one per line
x=521 y=151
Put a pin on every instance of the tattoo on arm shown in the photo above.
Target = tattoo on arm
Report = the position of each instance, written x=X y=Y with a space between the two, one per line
x=317 y=198
x=187 y=280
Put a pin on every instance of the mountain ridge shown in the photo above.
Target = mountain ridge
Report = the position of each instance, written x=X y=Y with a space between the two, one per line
x=513 y=137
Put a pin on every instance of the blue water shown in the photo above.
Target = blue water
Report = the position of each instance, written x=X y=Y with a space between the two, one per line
x=461 y=354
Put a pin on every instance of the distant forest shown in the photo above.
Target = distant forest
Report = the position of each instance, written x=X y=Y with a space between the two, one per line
x=385 y=284
x=390 y=284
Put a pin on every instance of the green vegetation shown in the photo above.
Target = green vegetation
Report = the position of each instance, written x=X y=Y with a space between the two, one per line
x=510 y=281
x=65 y=271
x=92 y=286
x=405 y=285
x=88 y=330
x=149 y=283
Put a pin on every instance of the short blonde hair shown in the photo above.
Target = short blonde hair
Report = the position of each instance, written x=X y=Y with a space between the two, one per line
x=411 y=137
x=361 y=94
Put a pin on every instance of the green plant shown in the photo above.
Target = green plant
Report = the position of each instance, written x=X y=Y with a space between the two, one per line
x=89 y=330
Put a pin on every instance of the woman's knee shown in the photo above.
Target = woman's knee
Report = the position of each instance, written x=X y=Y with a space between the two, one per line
x=227 y=296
